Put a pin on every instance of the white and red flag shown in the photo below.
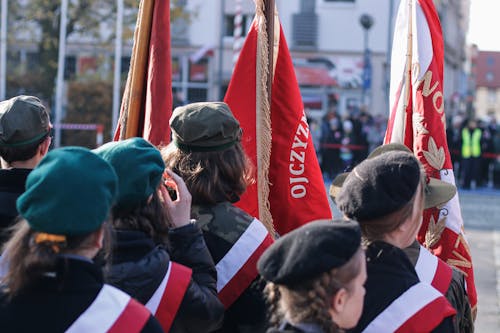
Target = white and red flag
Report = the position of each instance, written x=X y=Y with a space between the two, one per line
x=417 y=119
x=289 y=189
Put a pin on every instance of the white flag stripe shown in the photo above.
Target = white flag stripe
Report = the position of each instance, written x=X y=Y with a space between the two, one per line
x=241 y=251
x=155 y=300
x=422 y=52
x=426 y=266
x=403 y=308
x=102 y=313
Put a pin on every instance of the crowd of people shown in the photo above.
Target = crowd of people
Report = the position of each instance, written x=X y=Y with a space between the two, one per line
x=343 y=141
x=134 y=238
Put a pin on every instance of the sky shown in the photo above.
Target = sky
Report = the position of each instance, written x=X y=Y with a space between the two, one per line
x=484 y=28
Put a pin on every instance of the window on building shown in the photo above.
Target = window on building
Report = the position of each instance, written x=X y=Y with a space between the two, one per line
x=490 y=61
x=69 y=67
x=489 y=76
x=229 y=25
x=339 y=0
x=492 y=96
x=125 y=65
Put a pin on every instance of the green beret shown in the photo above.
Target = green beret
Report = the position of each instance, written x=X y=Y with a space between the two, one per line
x=69 y=193
x=139 y=167
x=307 y=252
x=23 y=120
x=207 y=126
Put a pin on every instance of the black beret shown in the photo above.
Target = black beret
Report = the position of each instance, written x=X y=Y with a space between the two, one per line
x=379 y=186
x=205 y=126
x=309 y=251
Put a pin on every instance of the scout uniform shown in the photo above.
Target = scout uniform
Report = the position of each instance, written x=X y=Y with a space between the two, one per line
x=69 y=195
x=181 y=298
x=429 y=268
x=306 y=253
x=235 y=239
x=396 y=300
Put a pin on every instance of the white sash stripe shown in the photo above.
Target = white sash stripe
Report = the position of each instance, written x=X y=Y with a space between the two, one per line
x=241 y=251
x=403 y=308
x=154 y=301
x=102 y=313
x=426 y=266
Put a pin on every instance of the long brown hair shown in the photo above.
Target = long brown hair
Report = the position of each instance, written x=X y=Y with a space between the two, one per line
x=149 y=218
x=311 y=302
x=28 y=261
x=211 y=177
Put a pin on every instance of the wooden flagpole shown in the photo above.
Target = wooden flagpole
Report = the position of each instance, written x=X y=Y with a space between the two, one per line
x=409 y=53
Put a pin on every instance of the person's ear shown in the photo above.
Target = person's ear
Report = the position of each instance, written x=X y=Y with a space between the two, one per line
x=338 y=302
x=43 y=148
x=98 y=240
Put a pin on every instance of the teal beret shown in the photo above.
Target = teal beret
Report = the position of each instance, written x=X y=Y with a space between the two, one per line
x=139 y=167
x=205 y=126
x=70 y=192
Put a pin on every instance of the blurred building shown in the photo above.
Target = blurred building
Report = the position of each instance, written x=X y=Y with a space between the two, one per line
x=487 y=84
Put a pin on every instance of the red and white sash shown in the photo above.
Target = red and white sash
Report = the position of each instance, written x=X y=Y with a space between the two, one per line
x=420 y=309
x=112 y=311
x=238 y=268
x=167 y=298
x=430 y=269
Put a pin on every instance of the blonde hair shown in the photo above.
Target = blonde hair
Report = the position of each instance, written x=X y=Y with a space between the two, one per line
x=310 y=303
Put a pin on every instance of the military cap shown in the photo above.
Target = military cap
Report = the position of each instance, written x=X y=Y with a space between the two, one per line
x=437 y=192
x=305 y=253
x=69 y=193
x=23 y=120
x=206 y=126
x=139 y=167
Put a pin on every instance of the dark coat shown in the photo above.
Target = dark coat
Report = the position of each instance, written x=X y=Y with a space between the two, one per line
x=289 y=328
x=139 y=266
x=222 y=225
x=390 y=274
x=54 y=302
x=12 y=182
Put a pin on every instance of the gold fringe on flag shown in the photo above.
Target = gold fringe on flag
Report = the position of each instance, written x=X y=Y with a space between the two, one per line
x=263 y=120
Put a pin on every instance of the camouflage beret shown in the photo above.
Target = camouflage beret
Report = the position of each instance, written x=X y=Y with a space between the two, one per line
x=206 y=126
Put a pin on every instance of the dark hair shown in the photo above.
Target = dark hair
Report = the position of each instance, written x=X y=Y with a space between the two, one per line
x=211 y=177
x=376 y=229
x=28 y=261
x=312 y=301
x=149 y=217
x=22 y=153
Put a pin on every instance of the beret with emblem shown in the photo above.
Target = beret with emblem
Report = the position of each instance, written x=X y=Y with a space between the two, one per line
x=206 y=126
x=23 y=120
x=70 y=192
x=305 y=253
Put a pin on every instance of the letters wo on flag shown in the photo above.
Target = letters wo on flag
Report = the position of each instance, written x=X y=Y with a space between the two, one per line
x=418 y=120
x=276 y=135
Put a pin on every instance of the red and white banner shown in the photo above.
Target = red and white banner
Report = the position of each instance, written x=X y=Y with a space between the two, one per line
x=419 y=309
x=112 y=311
x=296 y=192
x=434 y=271
x=166 y=300
x=238 y=268
x=418 y=120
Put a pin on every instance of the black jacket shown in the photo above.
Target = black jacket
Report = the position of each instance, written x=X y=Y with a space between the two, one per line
x=299 y=328
x=390 y=274
x=139 y=266
x=55 y=302
x=12 y=182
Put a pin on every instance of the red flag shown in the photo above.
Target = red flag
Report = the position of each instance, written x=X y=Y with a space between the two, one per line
x=297 y=192
x=147 y=101
x=418 y=120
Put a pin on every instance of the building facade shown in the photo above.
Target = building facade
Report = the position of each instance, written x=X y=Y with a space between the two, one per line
x=487 y=84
